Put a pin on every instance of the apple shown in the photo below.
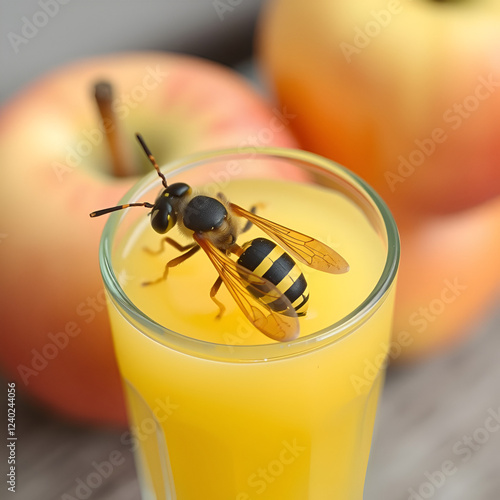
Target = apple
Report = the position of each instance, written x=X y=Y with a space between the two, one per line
x=449 y=276
x=56 y=169
x=407 y=95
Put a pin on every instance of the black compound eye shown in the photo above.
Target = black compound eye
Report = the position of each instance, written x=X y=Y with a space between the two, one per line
x=178 y=189
x=204 y=214
x=163 y=217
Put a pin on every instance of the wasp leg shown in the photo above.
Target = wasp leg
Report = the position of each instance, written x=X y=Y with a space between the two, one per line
x=222 y=197
x=213 y=293
x=170 y=241
x=249 y=224
x=173 y=263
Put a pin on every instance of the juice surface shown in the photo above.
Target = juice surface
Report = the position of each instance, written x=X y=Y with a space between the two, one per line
x=295 y=428
x=182 y=302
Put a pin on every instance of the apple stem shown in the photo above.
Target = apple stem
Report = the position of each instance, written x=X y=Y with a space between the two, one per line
x=121 y=156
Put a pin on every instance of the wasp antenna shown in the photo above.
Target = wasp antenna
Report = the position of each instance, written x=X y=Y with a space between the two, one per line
x=152 y=159
x=104 y=211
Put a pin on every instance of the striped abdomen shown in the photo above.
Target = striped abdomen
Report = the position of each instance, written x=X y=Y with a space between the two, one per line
x=265 y=258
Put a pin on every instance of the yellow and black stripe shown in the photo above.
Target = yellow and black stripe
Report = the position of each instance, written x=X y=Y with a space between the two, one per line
x=266 y=259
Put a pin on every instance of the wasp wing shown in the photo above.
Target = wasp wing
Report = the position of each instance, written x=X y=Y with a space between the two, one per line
x=305 y=248
x=245 y=287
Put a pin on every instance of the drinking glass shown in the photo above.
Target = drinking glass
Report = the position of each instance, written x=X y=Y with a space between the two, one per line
x=231 y=414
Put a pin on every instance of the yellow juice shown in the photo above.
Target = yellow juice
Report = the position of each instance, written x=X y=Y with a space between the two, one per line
x=214 y=422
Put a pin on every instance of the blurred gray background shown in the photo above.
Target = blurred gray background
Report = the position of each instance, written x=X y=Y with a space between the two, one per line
x=39 y=35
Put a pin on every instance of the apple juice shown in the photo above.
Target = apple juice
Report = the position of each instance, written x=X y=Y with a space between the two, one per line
x=214 y=422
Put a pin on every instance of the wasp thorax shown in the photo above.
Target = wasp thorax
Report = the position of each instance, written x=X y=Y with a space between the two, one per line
x=204 y=213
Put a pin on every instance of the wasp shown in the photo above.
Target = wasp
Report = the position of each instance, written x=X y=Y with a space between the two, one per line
x=265 y=281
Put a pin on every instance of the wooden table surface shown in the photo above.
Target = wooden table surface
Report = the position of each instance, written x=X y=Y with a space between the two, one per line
x=436 y=433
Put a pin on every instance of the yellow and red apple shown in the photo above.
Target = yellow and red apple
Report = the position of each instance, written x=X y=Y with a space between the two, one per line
x=56 y=342
x=406 y=94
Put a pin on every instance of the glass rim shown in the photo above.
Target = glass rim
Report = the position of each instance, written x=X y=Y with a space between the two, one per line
x=254 y=352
